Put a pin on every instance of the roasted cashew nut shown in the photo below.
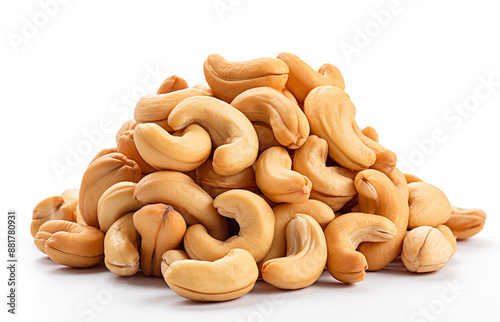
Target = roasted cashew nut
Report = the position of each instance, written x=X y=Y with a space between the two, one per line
x=466 y=222
x=171 y=84
x=385 y=158
x=121 y=243
x=265 y=135
x=343 y=236
x=126 y=145
x=256 y=220
x=428 y=205
x=52 y=208
x=126 y=126
x=71 y=196
x=170 y=256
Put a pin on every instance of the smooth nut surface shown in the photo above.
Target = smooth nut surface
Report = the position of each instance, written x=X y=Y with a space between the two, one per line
x=126 y=145
x=52 y=208
x=170 y=256
x=121 y=243
x=466 y=223
x=429 y=206
x=171 y=84
x=128 y=125
x=71 y=196
x=265 y=135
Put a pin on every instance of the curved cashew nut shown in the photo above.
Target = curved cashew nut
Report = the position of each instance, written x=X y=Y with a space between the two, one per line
x=162 y=150
x=182 y=193
x=99 y=176
x=256 y=220
x=425 y=249
x=126 y=126
x=121 y=243
x=329 y=184
x=126 y=145
x=428 y=205
x=302 y=78
x=161 y=229
x=52 y=208
x=370 y=133
x=378 y=195
x=331 y=115
x=305 y=259
x=277 y=180
x=225 y=279
x=268 y=105
x=232 y=133
x=171 y=84
x=170 y=256
x=466 y=222
x=115 y=202
x=385 y=158
x=70 y=244
x=228 y=79
x=345 y=234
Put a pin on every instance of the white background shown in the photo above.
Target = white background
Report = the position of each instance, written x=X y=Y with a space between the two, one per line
x=87 y=63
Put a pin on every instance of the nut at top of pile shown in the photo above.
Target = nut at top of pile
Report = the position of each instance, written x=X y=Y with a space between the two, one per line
x=260 y=171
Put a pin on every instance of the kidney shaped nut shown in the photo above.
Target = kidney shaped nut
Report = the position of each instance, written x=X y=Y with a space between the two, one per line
x=466 y=222
x=126 y=126
x=277 y=180
x=302 y=78
x=331 y=115
x=171 y=84
x=115 y=202
x=268 y=105
x=329 y=184
x=127 y=146
x=121 y=244
x=256 y=220
x=232 y=133
x=265 y=135
x=345 y=234
x=165 y=151
x=378 y=195
x=428 y=205
x=161 y=229
x=181 y=192
x=425 y=249
x=385 y=159
x=71 y=244
x=215 y=184
x=99 y=176
x=228 y=79
x=225 y=279
x=305 y=258
x=51 y=208
x=170 y=256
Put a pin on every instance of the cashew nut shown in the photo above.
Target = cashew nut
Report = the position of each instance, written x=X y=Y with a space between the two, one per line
x=121 y=244
x=385 y=158
x=371 y=133
x=171 y=84
x=428 y=205
x=71 y=196
x=51 y=208
x=466 y=222
x=265 y=135
x=102 y=153
x=170 y=256
x=204 y=87
x=126 y=126
x=127 y=146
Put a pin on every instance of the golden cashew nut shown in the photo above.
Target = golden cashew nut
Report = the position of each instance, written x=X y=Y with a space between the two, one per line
x=256 y=220
x=121 y=243
x=371 y=133
x=170 y=256
x=228 y=79
x=71 y=196
x=265 y=135
x=126 y=126
x=277 y=180
x=127 y=146
x=225 y=279
x=181 y=192
x=52 y=208
x=161 y=229
x=231 y=132
x=99 y=176
x=268 y=105
x=385 y=158
x=305 y=257
x=289 y=95
x=171 y=84
x=329 y=184
x=331 y=115
x=302 y=78
x=428 y=205
x=345 y=234
x=204 y=87
x=165 y=151
x=412 y=178
x=102 y=153
x=71 y=244
x=466 y=222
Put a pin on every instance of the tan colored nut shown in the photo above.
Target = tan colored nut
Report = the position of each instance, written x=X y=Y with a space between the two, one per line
x=71 y=244
x=102 y=153
x=115 y=202
x=127 y=146
x=449 y=236
x=204 y=87
x=277 y=180
x=345 y=234
x=305 y=258
x=425 y=249
x=215 y=184
x=302 y=78
x=377 y=194
x=466 y=223
x=256 y=220
x=78 y=216
x=182 y=193
x=163 y=151
x=99 y=176
x=121 y=244
x=161 y=229
x=170 y=256
x=51 y=208
x=289 y=95
x=284 y=213
x=232 y=133
x=126 y=126
x=71 y=196
x=329 y=184
x=225 y=279
x=157 y=108
x=171 y=84
x=428 y=205
x=271 y=203
x=265 y=135
x=371 y=133
x=385 y=158
x=268 y=105
x=228 y=79
x=331 y=115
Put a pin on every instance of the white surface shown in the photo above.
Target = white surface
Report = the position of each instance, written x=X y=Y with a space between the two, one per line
x=80 y=67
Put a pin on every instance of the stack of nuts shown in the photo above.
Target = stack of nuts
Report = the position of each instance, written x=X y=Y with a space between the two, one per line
x=262 y=171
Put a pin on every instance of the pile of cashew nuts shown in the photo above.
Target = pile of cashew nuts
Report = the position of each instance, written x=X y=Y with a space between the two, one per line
x=262 y=171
